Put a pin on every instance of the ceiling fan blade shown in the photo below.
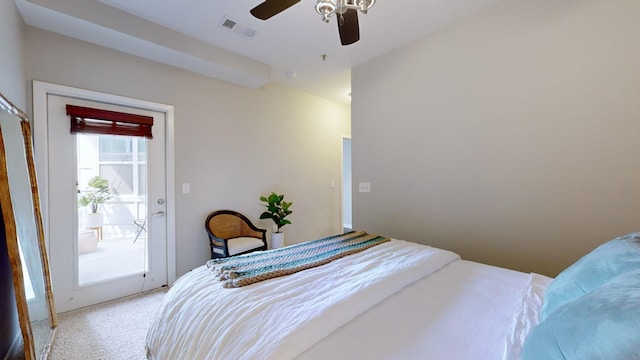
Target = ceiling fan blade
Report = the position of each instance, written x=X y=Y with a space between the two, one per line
x=271 y=7
x=348 y=27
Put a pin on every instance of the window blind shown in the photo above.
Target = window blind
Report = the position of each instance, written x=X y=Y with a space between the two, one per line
x=86 y=120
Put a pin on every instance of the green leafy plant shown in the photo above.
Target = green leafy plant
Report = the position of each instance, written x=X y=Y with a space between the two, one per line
x=97 y=194
x=277 y=209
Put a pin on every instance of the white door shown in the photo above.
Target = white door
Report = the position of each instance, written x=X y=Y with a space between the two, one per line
x=126 y=251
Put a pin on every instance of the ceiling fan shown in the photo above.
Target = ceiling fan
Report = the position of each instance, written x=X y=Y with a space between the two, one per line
x=346 y=12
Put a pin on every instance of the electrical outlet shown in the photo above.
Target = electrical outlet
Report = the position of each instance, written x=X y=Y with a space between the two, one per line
x=364 y=187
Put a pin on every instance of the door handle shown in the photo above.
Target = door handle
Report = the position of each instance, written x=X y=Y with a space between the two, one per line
x=159 y=213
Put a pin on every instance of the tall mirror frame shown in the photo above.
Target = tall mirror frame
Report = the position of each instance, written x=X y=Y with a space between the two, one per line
x=24 y=233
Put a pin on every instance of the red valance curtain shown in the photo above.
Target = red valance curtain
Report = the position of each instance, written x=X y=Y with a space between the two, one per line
x=104 y=122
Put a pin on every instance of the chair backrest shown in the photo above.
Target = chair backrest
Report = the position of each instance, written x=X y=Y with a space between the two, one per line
x=222 y=225
x=227 y=224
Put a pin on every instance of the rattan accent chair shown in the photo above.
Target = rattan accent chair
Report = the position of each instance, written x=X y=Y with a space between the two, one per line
x=231 y=233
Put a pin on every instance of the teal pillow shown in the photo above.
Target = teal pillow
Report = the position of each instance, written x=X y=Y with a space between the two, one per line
x=607 y=261
x=604 y=324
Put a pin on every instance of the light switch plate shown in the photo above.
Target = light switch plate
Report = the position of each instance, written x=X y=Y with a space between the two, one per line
x=364 y=187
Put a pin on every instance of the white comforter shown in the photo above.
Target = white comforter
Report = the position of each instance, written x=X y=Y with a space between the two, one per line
x=464 y=311
x=283 y=317
x=528 y=315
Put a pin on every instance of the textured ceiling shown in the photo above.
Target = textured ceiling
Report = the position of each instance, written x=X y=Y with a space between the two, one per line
x=288 y=48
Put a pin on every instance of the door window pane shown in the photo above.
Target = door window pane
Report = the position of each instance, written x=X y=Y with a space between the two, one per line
x=116 y=148
x=142 y=178
x=120 y=177
x=142 y=149
x=113 y=242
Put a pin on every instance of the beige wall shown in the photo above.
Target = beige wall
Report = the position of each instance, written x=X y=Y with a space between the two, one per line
x=232 y=144
x=12 y=79
x=510 y=137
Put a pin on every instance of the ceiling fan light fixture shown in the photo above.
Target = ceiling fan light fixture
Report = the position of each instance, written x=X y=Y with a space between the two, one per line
x=326 y=8
x=345 y=10
x=363 y=5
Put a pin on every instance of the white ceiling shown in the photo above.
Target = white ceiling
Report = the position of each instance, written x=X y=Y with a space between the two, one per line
x=188 y=34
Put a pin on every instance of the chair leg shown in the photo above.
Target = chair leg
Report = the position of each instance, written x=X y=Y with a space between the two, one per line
x=141 y=226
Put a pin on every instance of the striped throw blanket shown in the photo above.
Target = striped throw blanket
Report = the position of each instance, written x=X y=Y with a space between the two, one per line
x=237 y=271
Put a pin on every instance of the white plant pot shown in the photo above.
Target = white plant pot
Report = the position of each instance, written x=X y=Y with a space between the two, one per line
x=277 y=240
x=93 y=221
x=87 y=242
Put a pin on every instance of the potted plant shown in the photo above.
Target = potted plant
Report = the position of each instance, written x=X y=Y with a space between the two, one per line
x=277 y=210
x=95 y=196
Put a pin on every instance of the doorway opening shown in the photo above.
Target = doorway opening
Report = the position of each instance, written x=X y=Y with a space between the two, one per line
x=139 y=214
x=346 y=185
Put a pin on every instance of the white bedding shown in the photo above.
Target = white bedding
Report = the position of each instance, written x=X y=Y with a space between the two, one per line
x=282 y=317
x=462 y=312
x=528 y=316
x=397 y=300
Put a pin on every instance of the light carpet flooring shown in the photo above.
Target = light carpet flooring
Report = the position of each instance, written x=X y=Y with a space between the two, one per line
x=111 y=331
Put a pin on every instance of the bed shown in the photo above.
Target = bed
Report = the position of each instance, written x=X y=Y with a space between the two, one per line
x=395 y=300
